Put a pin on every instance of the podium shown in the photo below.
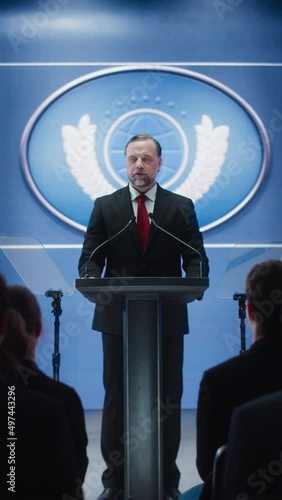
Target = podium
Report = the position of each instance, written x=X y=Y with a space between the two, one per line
x=142 y=300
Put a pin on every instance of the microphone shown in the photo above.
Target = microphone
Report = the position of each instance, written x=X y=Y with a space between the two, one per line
x=180 y=241
x=104 y=243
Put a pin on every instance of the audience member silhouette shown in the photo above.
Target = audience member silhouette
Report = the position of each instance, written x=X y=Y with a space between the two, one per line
x=254 y=373
x=24 y=302
x=252 y=467
x=37 y=455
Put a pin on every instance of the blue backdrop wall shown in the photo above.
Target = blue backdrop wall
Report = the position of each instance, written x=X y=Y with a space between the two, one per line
x=207 y=74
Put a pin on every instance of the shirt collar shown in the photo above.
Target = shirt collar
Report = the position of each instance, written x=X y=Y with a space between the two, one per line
x=151 y=194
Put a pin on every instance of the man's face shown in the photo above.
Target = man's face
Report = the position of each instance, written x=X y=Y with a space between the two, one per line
x=142 y=164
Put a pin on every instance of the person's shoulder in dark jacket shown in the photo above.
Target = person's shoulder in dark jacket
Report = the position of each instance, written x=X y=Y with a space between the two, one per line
x=41 y=443
x=32 y=377
x=223 y=387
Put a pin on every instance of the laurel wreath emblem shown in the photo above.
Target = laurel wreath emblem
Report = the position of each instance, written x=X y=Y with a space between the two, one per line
x=79 y=144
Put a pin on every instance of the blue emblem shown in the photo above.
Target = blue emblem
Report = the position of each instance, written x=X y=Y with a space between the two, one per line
x=215 y=147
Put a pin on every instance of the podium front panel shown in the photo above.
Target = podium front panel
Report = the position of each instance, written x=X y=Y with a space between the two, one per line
x=143 y=385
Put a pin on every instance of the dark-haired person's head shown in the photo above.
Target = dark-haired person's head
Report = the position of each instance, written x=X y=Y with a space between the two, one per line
x=143 y=162
x=145 y=137
x=4 y=306
x=25 y=303
x=16 y=341
x=264 y=298
x=7 y=361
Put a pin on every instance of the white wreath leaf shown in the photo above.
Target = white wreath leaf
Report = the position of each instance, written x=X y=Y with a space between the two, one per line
x=212 y=146
x=79 y=148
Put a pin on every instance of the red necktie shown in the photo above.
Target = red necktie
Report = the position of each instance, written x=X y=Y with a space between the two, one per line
x=143 y=223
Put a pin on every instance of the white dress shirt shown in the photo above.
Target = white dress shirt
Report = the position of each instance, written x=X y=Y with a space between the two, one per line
x=149 y=203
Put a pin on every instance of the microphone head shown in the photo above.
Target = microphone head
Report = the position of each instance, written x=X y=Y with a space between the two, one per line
x=150 y=215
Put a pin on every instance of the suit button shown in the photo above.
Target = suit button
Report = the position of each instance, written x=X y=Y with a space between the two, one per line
x=143 y=266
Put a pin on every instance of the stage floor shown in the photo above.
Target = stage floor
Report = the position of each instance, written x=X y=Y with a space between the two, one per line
x=186 y=457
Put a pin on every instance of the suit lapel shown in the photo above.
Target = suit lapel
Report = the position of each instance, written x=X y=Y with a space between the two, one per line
x=161 y=205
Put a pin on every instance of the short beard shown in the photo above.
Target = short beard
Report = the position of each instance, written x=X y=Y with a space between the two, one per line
x=140 y=182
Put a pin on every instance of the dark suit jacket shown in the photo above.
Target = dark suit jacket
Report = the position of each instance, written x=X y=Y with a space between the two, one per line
x=43 y=452
x=124 y=257
x=31 y=377
x=227 y=385
x=254 y=444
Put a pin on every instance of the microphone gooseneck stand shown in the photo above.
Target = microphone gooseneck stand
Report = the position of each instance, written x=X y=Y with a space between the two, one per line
x=86 y=275
x=241 y=298
x=57 y=311
x=180 y=241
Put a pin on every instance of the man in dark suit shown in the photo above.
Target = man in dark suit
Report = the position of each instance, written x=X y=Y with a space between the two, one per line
x=134 y=253
x=254 y=373
x=29 y=374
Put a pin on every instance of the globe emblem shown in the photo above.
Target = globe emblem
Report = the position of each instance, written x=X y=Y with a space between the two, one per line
x=82 y=161
x=162 y=127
